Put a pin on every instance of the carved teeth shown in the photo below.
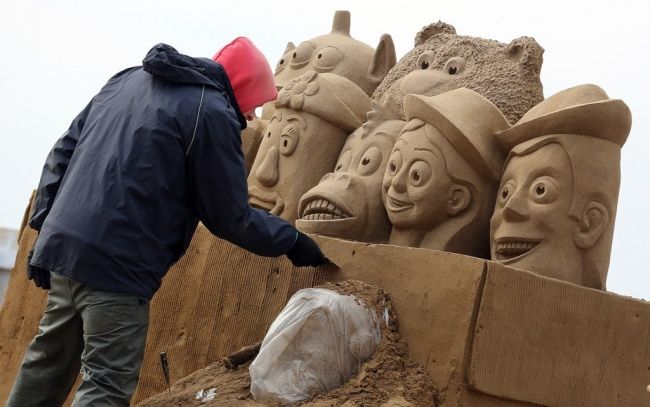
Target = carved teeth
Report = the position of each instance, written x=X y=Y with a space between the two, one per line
x=399 y=204
x=322 y=209
x=509 y=250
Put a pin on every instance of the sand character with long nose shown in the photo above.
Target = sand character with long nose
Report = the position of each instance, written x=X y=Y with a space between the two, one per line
x=314 y=115
x=443 y=173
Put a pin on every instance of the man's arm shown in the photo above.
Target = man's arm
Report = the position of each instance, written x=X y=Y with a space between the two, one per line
x=220 y=191
x=55 y=168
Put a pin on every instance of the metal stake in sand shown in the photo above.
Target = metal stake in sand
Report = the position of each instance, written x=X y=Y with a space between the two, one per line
x=164 y=364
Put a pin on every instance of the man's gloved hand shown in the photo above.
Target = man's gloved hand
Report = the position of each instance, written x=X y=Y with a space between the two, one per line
x=40 y=276
x=305 y=252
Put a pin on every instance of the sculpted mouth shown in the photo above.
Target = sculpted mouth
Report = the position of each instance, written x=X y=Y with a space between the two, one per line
x=268 y=201
x=507 y=249
x=320 y=208
x=395 y=205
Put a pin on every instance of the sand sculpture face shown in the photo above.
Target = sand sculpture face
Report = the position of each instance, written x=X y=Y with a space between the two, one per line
x=347 y=202
x=442 y=175
x=556 y=204
x=505 y=74
x=340 y=54
x=314 y=115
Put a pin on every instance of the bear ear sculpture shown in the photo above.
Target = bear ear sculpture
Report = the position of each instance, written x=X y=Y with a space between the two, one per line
x=432 y=29
x=528 y=52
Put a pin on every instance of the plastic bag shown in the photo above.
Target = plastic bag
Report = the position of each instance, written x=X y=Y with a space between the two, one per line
x=319 y=340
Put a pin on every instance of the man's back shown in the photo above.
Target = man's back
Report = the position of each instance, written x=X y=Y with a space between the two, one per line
x=124 y=210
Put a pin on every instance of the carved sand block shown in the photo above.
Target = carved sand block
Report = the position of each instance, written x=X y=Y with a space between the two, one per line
x=314 y=115
x=443 y=173
x=505 y=74
x=557 y=200
x=347 y=202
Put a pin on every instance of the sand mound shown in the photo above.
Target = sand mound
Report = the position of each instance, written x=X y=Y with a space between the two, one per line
x=387 y=379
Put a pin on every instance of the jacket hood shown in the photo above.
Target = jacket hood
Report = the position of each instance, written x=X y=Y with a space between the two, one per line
x=166 y=63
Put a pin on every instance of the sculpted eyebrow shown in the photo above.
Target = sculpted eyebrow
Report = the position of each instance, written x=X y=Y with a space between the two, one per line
x=426 y=149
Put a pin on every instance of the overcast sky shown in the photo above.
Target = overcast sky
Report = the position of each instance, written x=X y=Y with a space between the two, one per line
x=57 y=54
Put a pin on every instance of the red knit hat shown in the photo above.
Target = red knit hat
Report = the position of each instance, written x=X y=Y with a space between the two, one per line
x=249 y=73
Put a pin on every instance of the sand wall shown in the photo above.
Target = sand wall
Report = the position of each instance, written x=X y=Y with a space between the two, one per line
x=515 y=335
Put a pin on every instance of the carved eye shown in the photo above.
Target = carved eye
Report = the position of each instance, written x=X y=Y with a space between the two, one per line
x=289 y=139
x=425 y=60
x=327 y=58
x=268 y=135
x=301 y=55
x=394 y=163
x=544 y=190
x=344 y=161
x=419 y=173
x=369 y=161
x=506 y=191
x=455 y=65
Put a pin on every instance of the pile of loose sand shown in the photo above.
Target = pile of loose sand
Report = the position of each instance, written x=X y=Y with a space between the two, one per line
x=389 y=378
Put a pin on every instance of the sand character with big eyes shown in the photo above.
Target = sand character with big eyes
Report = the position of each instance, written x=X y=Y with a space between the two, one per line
x=443 y=173
x=347 y=202
x=314 y=115
x=557 y=200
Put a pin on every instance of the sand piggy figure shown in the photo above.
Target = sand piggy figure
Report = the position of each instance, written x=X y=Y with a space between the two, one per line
x=505 y=74
x=338 y=53
x=314 y=115
x=557 y=200
x=440 y=183
x=347 y=202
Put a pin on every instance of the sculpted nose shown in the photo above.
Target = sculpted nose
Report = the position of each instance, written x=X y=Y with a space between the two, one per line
x=341 y=179
x=516 y=209
x=399 y=181
x=268 y=173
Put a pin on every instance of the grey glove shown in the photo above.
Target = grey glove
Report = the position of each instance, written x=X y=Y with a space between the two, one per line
x=40 y=276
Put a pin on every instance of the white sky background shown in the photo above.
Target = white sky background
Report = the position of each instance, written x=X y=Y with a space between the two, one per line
x=57 y=54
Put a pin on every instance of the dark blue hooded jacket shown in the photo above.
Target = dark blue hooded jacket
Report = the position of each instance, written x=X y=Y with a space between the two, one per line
x=154 y=152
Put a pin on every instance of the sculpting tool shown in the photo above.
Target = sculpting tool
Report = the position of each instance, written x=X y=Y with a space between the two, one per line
x=164 y=363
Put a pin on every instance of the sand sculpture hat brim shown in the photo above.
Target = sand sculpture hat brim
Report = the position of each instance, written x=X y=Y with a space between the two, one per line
x=582 y=110
x=468 y=121
x=331 y=97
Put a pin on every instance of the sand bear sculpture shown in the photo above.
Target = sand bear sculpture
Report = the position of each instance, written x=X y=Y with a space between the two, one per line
x=506 y=74
x=557 y=199
x=348 y=203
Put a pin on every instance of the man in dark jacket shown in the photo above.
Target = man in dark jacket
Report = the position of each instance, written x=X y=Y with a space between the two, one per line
x=157 y=150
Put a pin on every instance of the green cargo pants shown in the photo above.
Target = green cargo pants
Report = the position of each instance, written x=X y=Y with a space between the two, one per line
x=103 y=333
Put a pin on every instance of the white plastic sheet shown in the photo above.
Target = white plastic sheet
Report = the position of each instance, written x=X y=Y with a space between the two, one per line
x=319 y=340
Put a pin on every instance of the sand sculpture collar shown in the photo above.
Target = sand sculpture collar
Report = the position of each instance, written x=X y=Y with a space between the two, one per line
x=556 y=204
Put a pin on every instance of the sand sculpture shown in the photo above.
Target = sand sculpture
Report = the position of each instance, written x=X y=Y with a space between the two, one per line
x=347 y=202
x=506 y=74
x=476 y=326
x=315 y=113
x=557 y=201
x=441 y=180
x=338 y=53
